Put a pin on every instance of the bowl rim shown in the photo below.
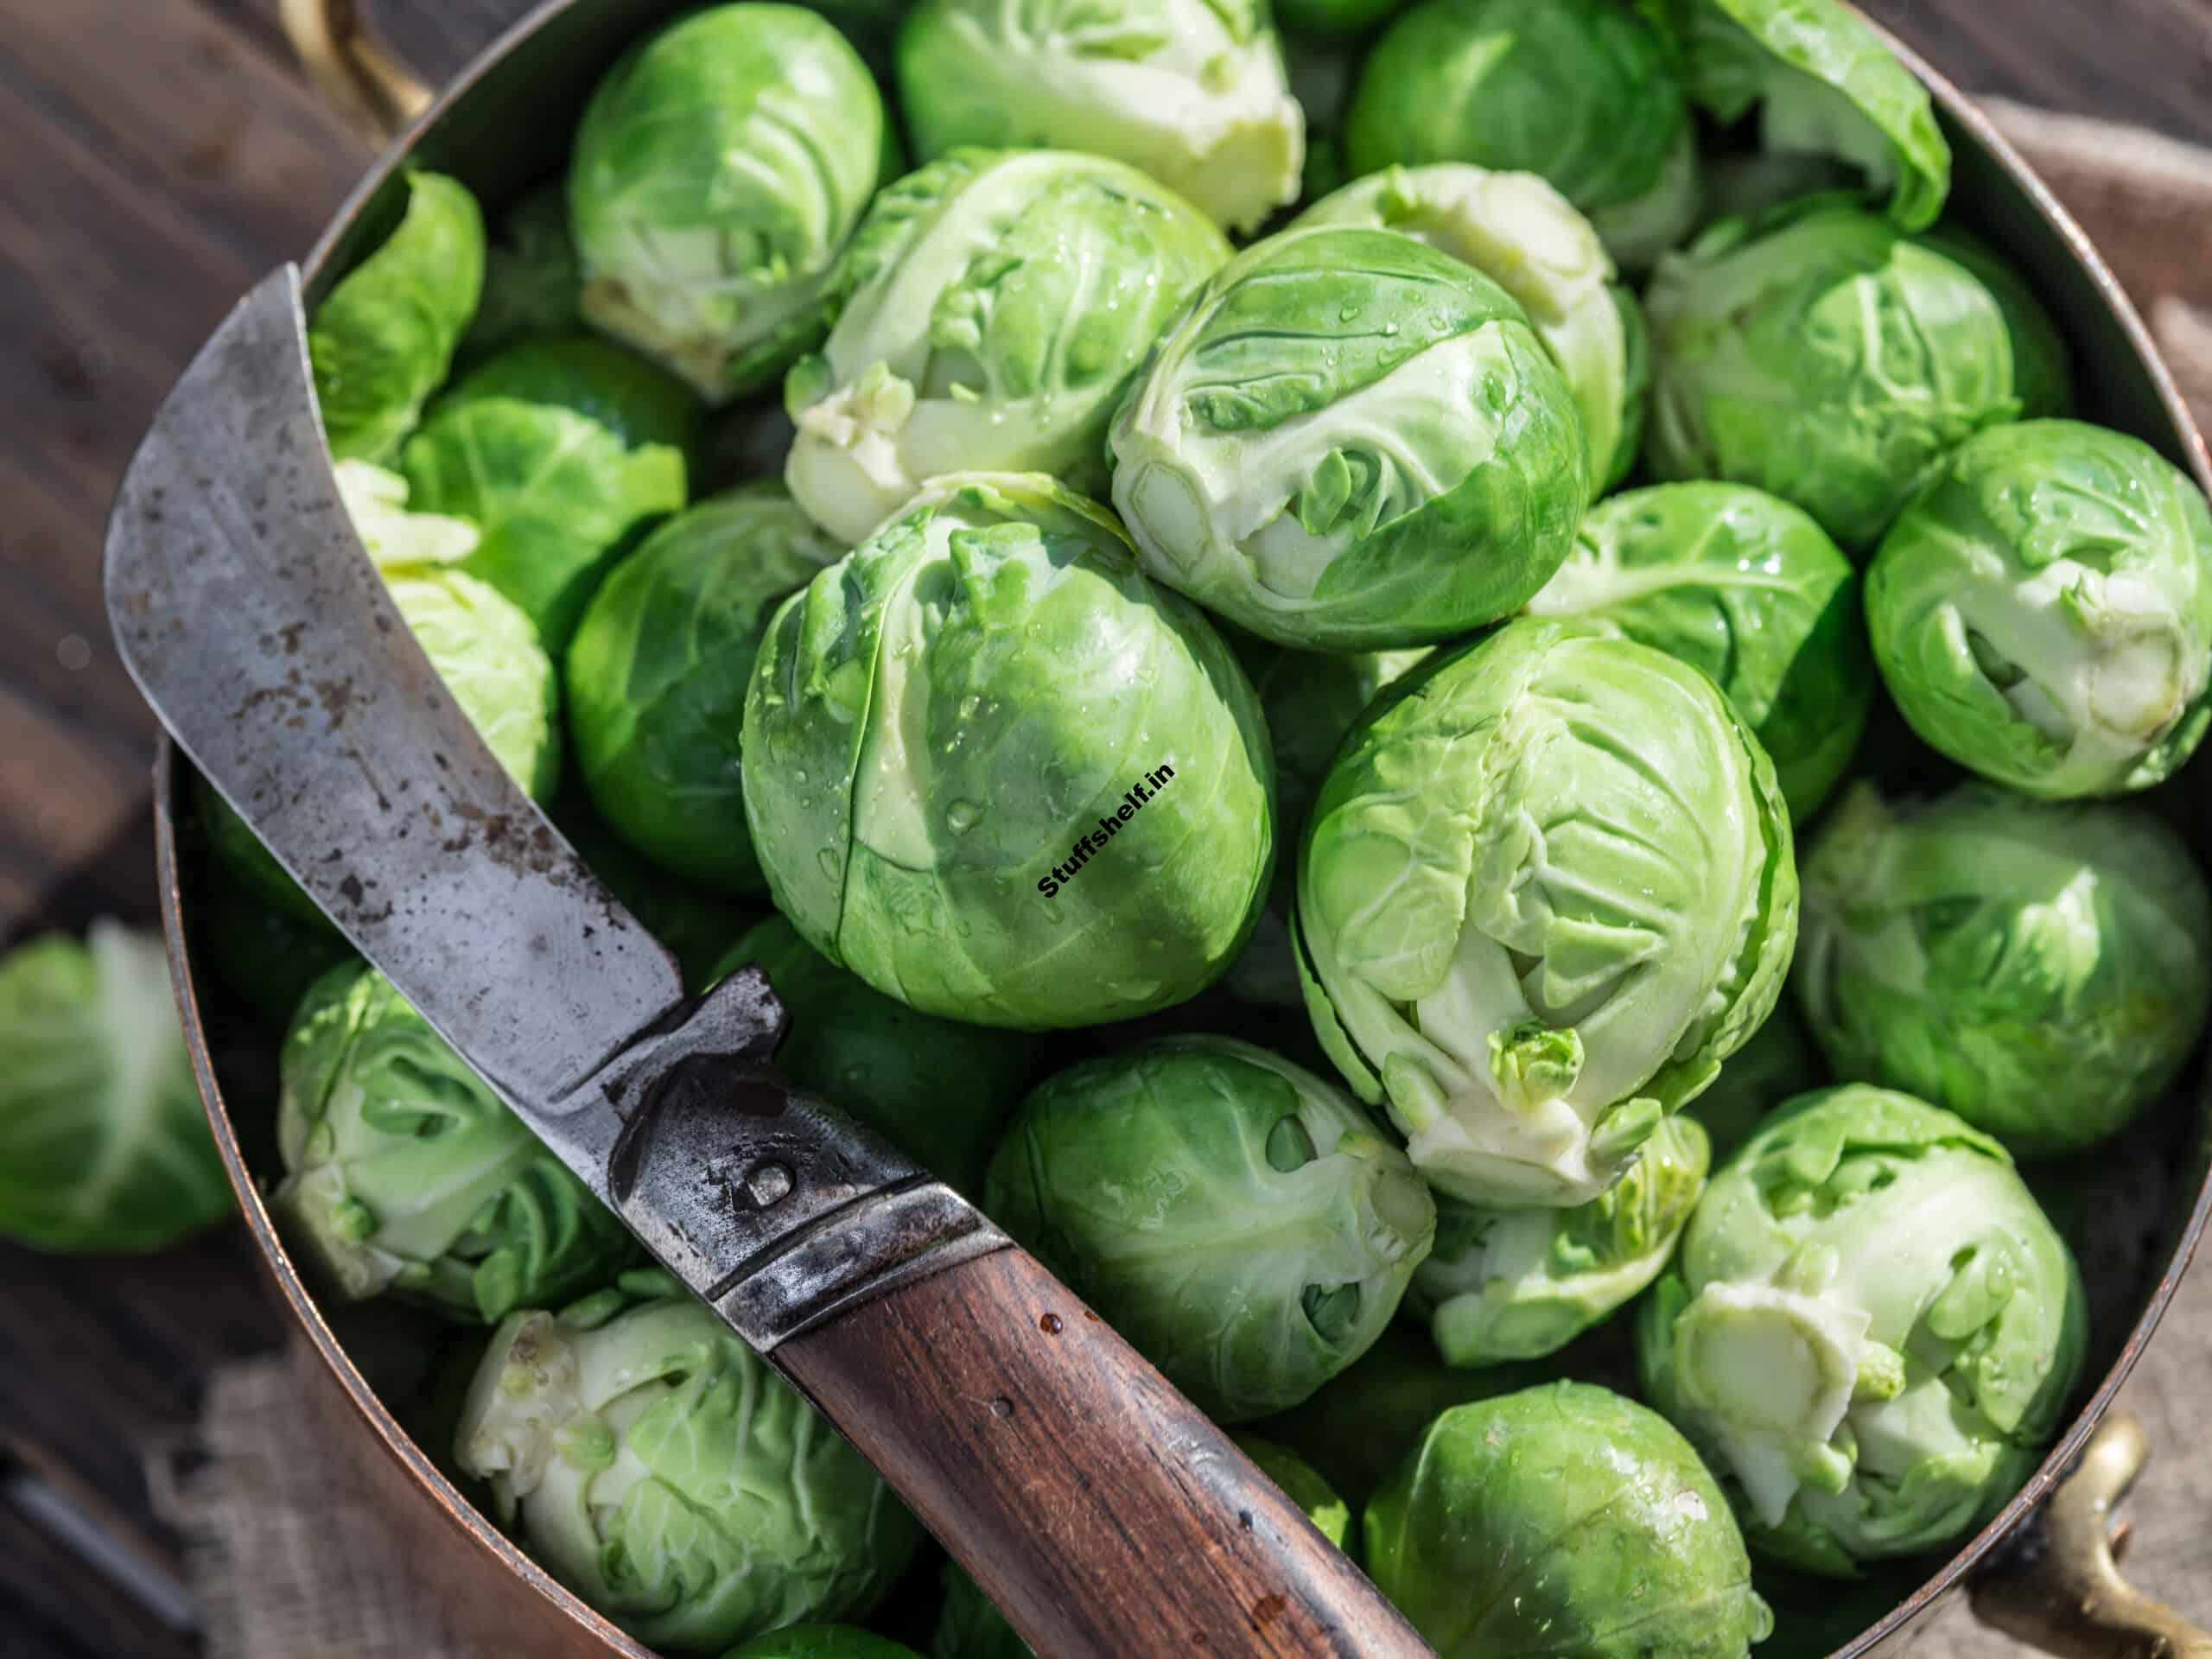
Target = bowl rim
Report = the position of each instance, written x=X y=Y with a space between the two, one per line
x=462 y=1517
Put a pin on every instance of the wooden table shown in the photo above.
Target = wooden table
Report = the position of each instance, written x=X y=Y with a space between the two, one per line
x=155 y=157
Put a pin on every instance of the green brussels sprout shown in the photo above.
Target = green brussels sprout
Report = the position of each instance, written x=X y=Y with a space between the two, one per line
x=1334 y=18
x=384 y=338
x=1191 y=92
x=1827 y=357
x=971 y=1626
x=1351 y=441
x=104 y=1148
x=1311 y=699
x=658 y=669
x=1747 y=588
x=1547 y=889
x=1238 y=1219
x=483 y=647
x=719 y=169
x=532 y=283
x=1528 y=240
x=595 y=377
x=1778 y=1064
x=263 y=952
x=2042 y=611
x=1563 y=1522
x=1302 y=1484
x=2041 y=970
x=1582 y=93
x=941 y=1091
x=1520 y=1284
x=405 y=1173
x=998 y=302
x=995 y=771
x=821 y=1642
x=1359 y=1425
x=548 y=472
x=667 y=1475
x=1869 y=1331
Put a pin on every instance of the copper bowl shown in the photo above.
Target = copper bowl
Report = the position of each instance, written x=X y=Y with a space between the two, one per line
x=2043 y=1569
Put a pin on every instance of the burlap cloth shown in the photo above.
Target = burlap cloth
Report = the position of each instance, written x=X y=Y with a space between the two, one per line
x=287 y=1563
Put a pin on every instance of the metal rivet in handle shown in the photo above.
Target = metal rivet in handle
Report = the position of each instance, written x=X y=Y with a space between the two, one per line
x=768 y=1183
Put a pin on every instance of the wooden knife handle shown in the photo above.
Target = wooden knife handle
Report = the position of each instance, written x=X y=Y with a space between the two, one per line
x=1098 y=1507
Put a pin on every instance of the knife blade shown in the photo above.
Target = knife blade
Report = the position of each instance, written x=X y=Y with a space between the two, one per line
x=254 y=621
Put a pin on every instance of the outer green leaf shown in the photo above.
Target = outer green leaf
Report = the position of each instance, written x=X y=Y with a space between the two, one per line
x=673 y=1480
x=1870 y=1330
x=102 y=1144
x=1826 y=84
x=1235 y=1217
x=1520 y=1284
x=405 y=1173
x=1547 y=889
x=384 y=340
x=658 y=669
x=1190 y=92
x=996 y=304
x=2043 y=611
x=970 y=702
x=1748 y=589
x=1831 y=359
x=939 y=1090
x=1583 y=92
x=1351 y=441
x=1563 y=1520
x=2043 y=971
x=638 y=404
x=719 y=169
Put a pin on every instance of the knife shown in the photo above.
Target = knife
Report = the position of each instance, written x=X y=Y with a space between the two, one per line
x=1101 y=1511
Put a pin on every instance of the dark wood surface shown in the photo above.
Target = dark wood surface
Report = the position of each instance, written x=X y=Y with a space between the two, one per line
x=155 y=157
x=1044 y=1410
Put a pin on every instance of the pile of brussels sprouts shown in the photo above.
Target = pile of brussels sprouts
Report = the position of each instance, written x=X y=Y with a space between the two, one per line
x=1192 y=569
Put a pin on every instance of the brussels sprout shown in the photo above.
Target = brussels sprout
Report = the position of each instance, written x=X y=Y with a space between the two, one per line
x=1777 y=1065
x=939 y=1090
x=1829 y=358
x=1825 y=85
x=1360 y=1424
x=384 y=340
x=548 y=472
x=2041 y=970
x=103 y=1145
x=821 y=1642
x=2042 y=612
x=1002 y=776
x=1582 y=93
x=719 y=169
x=1563 y=1522
x=1520 y=1284
x=1749 y=589
x=1311 y=699
x=1235 y=1217
x=532 y=283
x=1191 y=92
x=405 y=1173
x=662 y=1472
x=1302 y=1484
x=998 y=300
x=264 y=952
x=1333 y=18
x=1547 y=889
x=658 y=669
x=483 y=647
x=593 y=378
x=1870 y=1329
x=1528 y=239
x=1351 y=441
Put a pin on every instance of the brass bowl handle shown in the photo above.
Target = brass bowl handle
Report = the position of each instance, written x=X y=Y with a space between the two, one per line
x=2061 y=1590
x=365 y=86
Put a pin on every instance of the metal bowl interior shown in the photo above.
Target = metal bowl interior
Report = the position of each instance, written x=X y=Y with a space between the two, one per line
x=2135 y=1217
